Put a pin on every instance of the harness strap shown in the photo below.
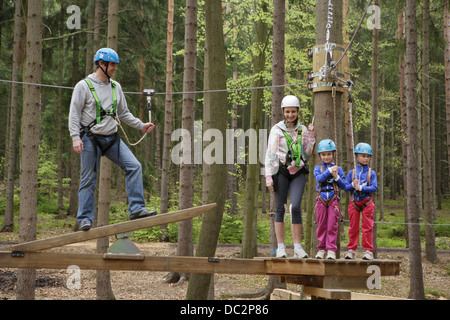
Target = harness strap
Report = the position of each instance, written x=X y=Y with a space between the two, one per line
x=329 y=201
x=294 y=147
x=369 y=173
x=335 y=187
x=361 y=208
x=352 y=197
x=102 y=113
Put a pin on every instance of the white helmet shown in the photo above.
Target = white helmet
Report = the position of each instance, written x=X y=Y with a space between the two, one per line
x=290 y=101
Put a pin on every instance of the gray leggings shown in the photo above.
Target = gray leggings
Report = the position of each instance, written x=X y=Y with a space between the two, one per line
x=295 y=188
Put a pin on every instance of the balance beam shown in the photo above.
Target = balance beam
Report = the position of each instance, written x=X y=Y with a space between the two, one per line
x=268 y=266
x=113 y=229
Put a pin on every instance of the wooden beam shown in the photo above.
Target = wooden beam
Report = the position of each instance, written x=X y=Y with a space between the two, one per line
x=112 y=229
x=367 y=296
x=332 y=294
x=53 y=260
x=328 y=282
x=338 y=267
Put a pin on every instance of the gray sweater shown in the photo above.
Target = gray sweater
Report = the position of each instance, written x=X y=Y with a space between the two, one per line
x=83 y=108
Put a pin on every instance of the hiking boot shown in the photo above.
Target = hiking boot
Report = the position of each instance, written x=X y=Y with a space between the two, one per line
x=85 y=225
x=320 y=254
x=368 y=255
x=350 y=254
x=142 y=214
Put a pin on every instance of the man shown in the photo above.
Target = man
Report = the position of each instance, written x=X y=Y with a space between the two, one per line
x=95 y=102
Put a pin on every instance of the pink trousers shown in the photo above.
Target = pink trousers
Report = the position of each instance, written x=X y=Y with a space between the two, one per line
x=366 y=225
x=327 y=224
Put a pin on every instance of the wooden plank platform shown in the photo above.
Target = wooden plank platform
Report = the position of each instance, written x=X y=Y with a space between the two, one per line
x=339 y=267
x=112 y=229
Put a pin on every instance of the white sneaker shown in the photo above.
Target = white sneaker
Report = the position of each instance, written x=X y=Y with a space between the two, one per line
x=320 y=254
x=368 y=255
x=281 y=253
x=331 y=255
x=350 y=254
x=299 y=253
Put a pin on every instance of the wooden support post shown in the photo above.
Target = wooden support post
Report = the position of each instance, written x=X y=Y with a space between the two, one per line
x=113 y=229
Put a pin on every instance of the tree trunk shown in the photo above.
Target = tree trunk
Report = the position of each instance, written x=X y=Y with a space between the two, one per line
x=447 y=74
x=278 y=75
x=428 y=197
x=30 y=144
x=167 y=120
x=374 y=125
x=209 y=234
x=249 y=236
x=325 y=105
x=59 y=106
x=416 y=280
x=186 y=196
x=74 y=157
x=104 y=289
x=8 y=222
x=402 y=90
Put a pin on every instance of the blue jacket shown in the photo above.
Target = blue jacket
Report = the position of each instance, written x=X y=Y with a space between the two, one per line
x=326 y=179
x=361 y=175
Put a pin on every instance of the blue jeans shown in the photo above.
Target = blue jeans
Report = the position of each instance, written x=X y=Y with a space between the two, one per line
x=90 y=162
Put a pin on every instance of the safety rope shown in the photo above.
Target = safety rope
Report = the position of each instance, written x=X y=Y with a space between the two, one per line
x=354 y=34
x=126 y=136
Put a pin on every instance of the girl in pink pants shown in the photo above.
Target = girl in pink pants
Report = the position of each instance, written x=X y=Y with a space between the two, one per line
x=329 y=179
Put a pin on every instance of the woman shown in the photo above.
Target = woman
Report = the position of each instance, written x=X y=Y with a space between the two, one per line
x=287 y=152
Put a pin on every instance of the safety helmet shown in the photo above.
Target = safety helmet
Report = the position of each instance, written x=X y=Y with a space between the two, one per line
x=363 y=148
x=107 y=55
x=326 y=145
x=290 y=101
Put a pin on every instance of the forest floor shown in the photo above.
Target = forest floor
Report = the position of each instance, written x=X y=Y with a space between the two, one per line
x=128 y=285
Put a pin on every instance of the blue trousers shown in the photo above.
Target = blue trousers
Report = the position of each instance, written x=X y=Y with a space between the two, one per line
x=90 y=162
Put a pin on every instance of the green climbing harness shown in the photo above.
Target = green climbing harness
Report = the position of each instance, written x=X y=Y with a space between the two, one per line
x=101 y=113
x=295 y=148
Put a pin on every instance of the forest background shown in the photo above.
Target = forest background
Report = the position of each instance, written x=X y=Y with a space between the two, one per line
x=151 y=60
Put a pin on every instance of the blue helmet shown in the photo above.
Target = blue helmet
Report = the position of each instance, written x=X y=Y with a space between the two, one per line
x=326 y=145
x=107 y=55
x=363 y=148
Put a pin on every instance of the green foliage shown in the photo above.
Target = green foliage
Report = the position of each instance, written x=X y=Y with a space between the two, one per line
x=47 y=172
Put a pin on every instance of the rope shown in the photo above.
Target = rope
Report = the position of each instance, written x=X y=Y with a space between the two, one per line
x=126 y=136
x=354 y=34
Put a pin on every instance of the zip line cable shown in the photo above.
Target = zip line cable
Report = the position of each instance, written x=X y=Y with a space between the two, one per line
x=164 y=93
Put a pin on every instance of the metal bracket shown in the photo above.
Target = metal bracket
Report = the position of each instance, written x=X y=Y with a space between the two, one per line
x=123 y=247
x=17 y=254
